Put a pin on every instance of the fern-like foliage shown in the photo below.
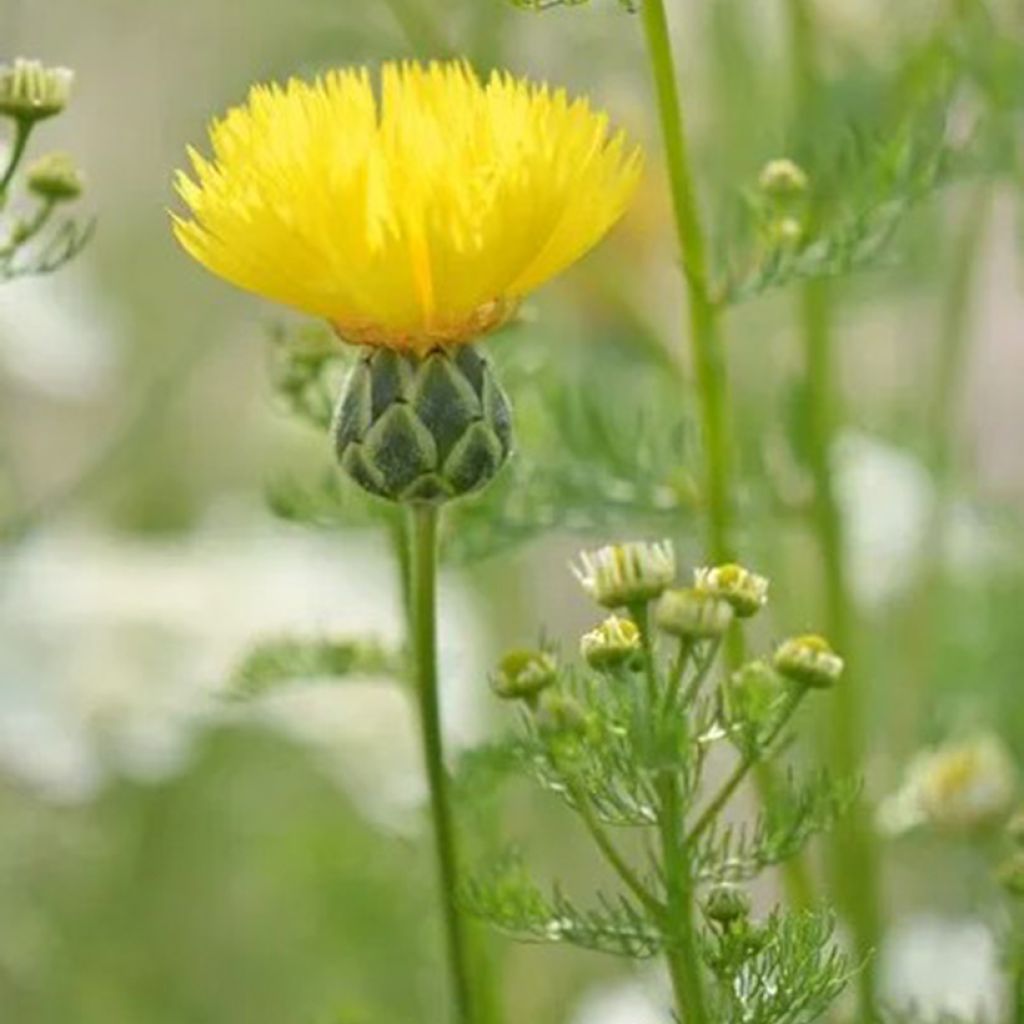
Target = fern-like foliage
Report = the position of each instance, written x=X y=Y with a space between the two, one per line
x=286 y=661
x=624 y=740
x=26 y=254
x=507 y=898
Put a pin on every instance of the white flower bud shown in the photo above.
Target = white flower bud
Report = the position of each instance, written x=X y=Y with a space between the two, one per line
x=622 y=575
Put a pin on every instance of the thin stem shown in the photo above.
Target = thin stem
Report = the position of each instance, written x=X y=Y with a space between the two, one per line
x=742 y=769
x=22 y=131
x=424 y=604
x=853 y=852
x=709 y=360
x=611 y=854
x=703 y=316
x=682 y=951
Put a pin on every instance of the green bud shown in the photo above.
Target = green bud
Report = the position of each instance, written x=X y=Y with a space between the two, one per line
x=782 y=179
x=808 y=660
x=744 y=590
x=785 y=232
x=522 y=675
x=422 y=430
x=726 y=904
x=752 y=693
x=693 y=614
x=55 y=177
x=560 y=715
x=31 y=92
x=622 y=575
x=611 y=644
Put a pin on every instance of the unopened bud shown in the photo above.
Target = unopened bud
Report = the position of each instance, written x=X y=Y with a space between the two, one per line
x=690 y=613
x=611 y=644
x=558 y=714
x=55 y=178
x=782 y=179
x=726 y=904
x=744 y=590
x=808 y=660
x=622 y=575
x=522 y=675
x=29 y=91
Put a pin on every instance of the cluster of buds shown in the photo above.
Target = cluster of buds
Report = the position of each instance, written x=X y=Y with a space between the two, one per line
x=31 y=92
x=783 y=186
x=727 y=908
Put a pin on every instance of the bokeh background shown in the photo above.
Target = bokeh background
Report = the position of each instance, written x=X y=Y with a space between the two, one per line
x=169 y=856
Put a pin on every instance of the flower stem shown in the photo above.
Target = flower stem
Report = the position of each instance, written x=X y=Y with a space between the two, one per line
x=682 y=949
x=854 y=855
x=424 y=644
x=22 y=131
x=704 y=329
x=711 y=371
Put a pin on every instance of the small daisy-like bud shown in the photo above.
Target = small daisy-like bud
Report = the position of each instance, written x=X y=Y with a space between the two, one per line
x=808 y=660
x=422 y=430
x=726 y=904
x=782 y=179
x=558 y=714
x=55 y=178
x=30 y=92
x=522 y=675
x=744 y=590
x=611 y=644
x=621 y=575
x=693 y=614
x=785 y=232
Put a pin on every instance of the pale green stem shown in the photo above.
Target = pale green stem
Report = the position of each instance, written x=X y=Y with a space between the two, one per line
x=424 y=647
x=709 y=360
x=854 y=855
x=22 y=131
x=682 y=950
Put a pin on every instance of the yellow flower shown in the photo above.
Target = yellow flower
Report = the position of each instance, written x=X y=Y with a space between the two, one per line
x=412 y=221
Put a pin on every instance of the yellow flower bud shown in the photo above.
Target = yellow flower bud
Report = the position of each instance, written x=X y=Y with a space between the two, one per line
x=611 y=644
x=808 y=660
x=744 y=590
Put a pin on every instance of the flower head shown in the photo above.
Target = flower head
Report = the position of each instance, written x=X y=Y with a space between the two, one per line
x=621 y=575
x=521 y=675
x=30 y=91
x=415 y=219
x=808 y=660
x=611 y=644
x=744 y=590
x=55 y=177
x=693 y=614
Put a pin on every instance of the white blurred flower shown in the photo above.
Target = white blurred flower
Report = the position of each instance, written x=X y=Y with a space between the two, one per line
x=963 y=785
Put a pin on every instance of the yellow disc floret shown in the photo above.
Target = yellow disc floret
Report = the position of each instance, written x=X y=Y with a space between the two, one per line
x=411 y=219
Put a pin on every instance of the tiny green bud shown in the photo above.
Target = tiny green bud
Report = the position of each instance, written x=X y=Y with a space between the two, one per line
x=690 y=613
x=55 y=177
x=621 y=575
x=726 y=904
x=808 y=660
x=30 y=92
x=558 y=714
x=744 y=590
x=610 y=644
x=785 y=232
x=752 y=692
x=522 y=675
x=782 y=179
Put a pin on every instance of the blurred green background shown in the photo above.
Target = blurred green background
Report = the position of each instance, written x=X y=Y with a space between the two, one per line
x=168 y=857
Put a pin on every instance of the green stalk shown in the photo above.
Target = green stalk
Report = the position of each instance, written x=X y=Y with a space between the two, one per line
x=22 y=131
x=682 y=951
x=709 y=360
x=854 y=855
x=424 y=646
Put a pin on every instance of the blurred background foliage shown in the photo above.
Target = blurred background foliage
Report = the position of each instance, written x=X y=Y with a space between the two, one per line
x=172 y=857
